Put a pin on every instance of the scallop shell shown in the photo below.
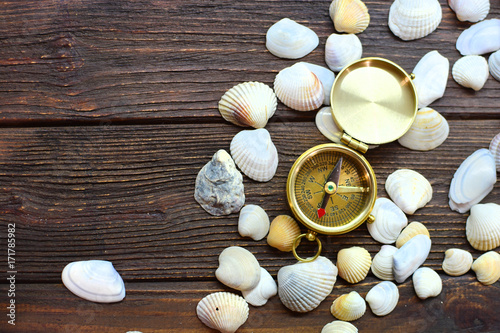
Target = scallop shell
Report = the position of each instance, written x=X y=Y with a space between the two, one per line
x=265 y=289
x=349 y=16
x=253 y=222
x=326 y=77
x=299 y=88
x=495 y=150
x=470 y=10
x=341 y=50
x=304 y=285
x=471 y=72
x=389 y=221
x=494 y=65
x=382 y=262
x=427 y=283
x=348 y=307
x=456 y=262
x=290 y=40
x=429 y=130
x=410 y=256
x=248 y=104
x=431 y=76
x=254 y=153
x=383 y=298
x=483 y=226
x=472 y=181
x=94 y=280
x=222 y=311
x=408 y=189
x=353 y=264
x=283 y=232
x=487 y=267
x=238 y=268
x=480 y=38
x=413 y=229
x=339 y=326
x=414 y=19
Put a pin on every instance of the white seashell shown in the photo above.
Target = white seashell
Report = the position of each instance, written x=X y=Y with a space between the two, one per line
x=290 y=40
x=410 y=256
x=495 y=150
x=283 y=232
x=480 y=38
x=483 y=226
x=389 y=221
x=326 y=125
x=487 y=267
x=348 y=307
x=253 y=222
x=326 y=77
x=304 y=285
x=238 y=268
x=413 y=229
x=339 y=326
x=471 y=72
x=383 y=298
x=494 y=65
x=222 y=311
x=255 y=154
x=341 y=50
x=248 y=104
x=94 y=280
x=299 y=88
x=349 y=16
x=408 y=189
x=456 y=262
x=382 y=263
x=431 y=76
x=353 y=264
x=429 y=130
x=427 y=283
x=414 y=19
x=266 y=289
x=472 y=181
x=470 y=10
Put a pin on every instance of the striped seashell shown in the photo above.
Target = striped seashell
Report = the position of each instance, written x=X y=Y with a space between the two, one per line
x=348 y=307
x=389 y=221
x=470 y=10
x=411 y=230
x=222 y=311
x=457 y=262
x=283 y=232
x=429 y=130
x=353 y=264
x=408 y=189
x=414 y=19
x=265 y=289
x=427 y=283
x=483 y=226
x=487 y=267
x=326 y=77
x=494 y=65
x=383 y=298
x=471 y=72
x=290 y=40
x=339 y=326
x=349 y=16
x=494 y=149
x=382 y=263
x=341 y=50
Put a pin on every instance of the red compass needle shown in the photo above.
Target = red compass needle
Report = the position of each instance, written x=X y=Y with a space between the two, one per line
x=331 y=187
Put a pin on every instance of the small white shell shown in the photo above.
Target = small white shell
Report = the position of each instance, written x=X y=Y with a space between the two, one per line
x=427 y=283
x=410 y=256
x=472 y=181
x=349 y=16
x=238 y=268
x=483 y=226
x=291 y=40
x=341 y=50
x=457 y=262
x=353 y=264
x=383 y=298
x=470 y=10
x=471 y=72
x=480 y=38
x=326 y=77
x=413 y=19
x=429 y=130
x=254 y=153
x=408 y=189
x=382 y=263
x=431 y=76
x=389 y=221
x=222 y=311
x=494 y=65
x=413 y=229
x=266 y=289
x=94 y=280
x=339 y=326
x=348 y=307
x=495 y=150
x=487 y=267
x=283 y=232
x=253 y=222
x=304 y=285
x=326 y=125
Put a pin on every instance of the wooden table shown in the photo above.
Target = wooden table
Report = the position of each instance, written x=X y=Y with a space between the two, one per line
x=108 y=110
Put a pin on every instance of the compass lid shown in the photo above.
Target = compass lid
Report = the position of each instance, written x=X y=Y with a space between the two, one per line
x=374 y=100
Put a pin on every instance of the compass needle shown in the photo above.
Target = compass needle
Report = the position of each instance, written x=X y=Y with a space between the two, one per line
x=330 y=187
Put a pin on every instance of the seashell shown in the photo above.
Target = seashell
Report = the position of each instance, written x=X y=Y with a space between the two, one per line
x=383 y=298
x=283 y=232
x=254 y=153
x=456 y=262
x=348 y=307
x=94 y=280
x=389 y=221
x=413 y=229
x=222 y=311
x=382 y=263
x=290 y=40
x=470 y=10
x=414 y=19
x=431 y=76
x=219 y=186
x=487 y=267
x=326 y=77
x=427 y=283
x=248 y=104
x=408 y=189
x=349 y=16
x=471 y=72
x=238 y=268
x=495 y=150
x=483 y=226
x=253 y=222
x=304 y=285
x=341 y=50
x=326 y=125
x=299 y=88
x=494 y=65
x=480 y=38
x=472 y=181
x=410 y=256
x=353 y=264
x=265 y=289
x=429 y=130
x=339 y=326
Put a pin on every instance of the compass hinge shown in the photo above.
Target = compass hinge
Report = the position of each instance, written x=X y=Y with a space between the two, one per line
x=353 y=143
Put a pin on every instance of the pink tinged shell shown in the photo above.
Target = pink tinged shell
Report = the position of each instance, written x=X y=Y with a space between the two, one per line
x=470 y=10
x=480 y=38
x=223 y=311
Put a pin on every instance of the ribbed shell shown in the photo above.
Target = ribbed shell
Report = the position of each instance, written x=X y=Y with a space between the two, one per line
x=349 y=16
x=348 y=307
x=223 y=311
x=470 y=10
x=408 y=189
x=383 y=298
x=389 y=221
x=431 y=77
x=457 y=262
x=487 y=267
x=471 y=72
x=238 y=268
x=480 y=38
x=265 y=289
x=326 y=77
x=495 y=150
x=339 y=326
x=429 y=130
x=411 y=230
x=290 y=40
x=382 y=263
x=341 y=50
x=494 y=65
x=483 y=226
x=427 y=283
x=410 y=256
x=283 y=232
x=253 y=222
x=413 y=19
x=353 y=264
